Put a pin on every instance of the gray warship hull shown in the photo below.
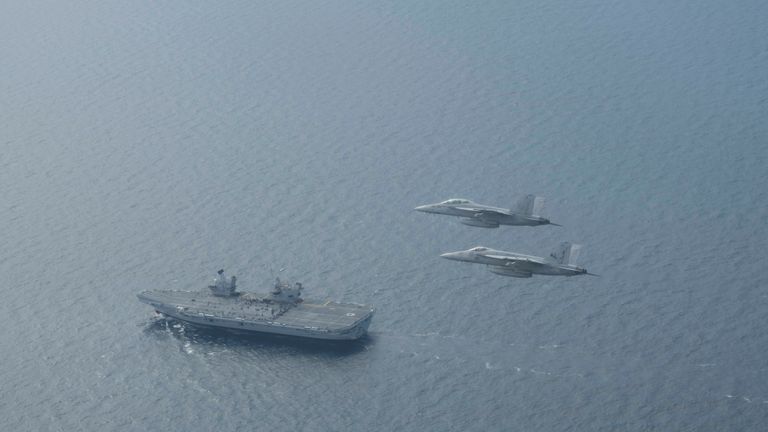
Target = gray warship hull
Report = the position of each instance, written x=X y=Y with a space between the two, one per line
x=252 y=312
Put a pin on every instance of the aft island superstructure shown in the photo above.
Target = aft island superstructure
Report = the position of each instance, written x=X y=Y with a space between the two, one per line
x=281 y=311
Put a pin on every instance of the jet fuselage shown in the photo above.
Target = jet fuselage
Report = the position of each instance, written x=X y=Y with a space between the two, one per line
x=488 y=214
x=515 y=263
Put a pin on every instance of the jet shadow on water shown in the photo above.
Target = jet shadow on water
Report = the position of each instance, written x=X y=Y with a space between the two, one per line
x=212 y=337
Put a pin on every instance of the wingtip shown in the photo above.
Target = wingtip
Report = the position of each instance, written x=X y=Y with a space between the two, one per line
x=557 y=225
x=592 y=274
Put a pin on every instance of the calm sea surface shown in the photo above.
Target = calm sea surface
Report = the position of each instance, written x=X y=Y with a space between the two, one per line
x=147 y=144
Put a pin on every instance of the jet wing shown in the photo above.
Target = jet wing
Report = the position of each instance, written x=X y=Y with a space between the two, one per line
x=479 y=213
x=511 y=260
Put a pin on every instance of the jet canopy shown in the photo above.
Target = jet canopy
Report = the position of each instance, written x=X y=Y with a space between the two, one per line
x=455 y=201
x=479 y=249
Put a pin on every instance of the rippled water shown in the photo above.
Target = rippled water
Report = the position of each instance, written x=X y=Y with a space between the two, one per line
x=145 y=145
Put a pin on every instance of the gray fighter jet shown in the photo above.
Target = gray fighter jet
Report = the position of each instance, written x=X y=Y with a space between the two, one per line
x=562 y=262
x=527 y=212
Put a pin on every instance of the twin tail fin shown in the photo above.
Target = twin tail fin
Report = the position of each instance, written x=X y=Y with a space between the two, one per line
x=530 y=205
x=567 y=253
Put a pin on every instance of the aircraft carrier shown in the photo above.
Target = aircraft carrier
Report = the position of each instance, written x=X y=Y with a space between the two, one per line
x=281 y=311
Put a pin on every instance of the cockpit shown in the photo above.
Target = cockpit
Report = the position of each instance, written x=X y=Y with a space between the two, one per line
x=455 y=201
x=479 y=249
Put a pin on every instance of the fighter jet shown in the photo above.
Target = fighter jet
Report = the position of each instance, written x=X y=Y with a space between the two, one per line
x=527 y=211
x=561 y=262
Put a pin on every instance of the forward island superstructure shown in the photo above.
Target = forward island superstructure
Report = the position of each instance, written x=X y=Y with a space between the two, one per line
x=281 y=311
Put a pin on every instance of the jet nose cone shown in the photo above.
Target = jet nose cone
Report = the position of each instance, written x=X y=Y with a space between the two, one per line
x=422 y=208
x=451 y=255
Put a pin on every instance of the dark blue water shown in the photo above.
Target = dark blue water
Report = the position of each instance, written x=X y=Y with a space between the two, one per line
x=146 y=145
